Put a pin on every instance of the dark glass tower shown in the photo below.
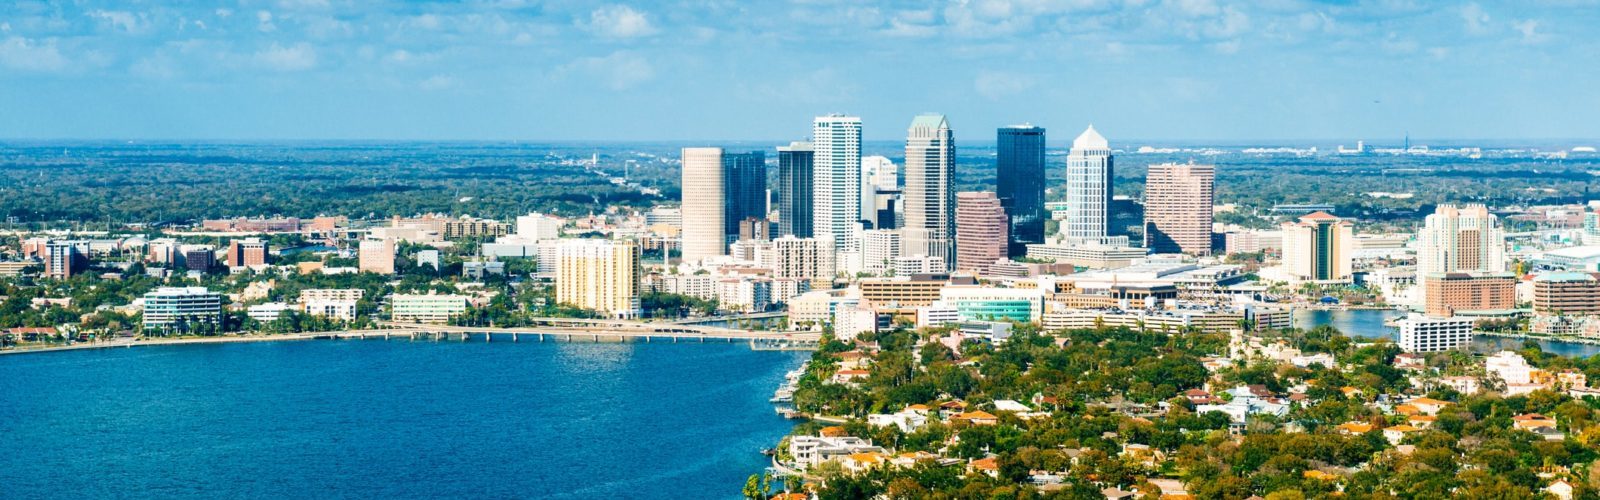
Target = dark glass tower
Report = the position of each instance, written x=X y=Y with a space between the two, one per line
x=745 y=179
x=795 y=201
x=1019 y=172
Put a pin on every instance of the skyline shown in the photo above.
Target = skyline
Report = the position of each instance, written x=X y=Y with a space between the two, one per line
x=1189 y=70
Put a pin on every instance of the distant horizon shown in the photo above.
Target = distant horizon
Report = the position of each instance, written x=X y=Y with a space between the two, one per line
x=1053 y=141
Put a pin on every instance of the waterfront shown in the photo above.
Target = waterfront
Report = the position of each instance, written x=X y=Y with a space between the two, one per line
x=390 y=419
x=1369 y=323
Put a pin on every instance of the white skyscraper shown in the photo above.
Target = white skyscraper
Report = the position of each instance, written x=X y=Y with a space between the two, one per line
x=930 y=172
x=704 y=220
x=1088 y=188
x=1456 y=239
x=836 y=177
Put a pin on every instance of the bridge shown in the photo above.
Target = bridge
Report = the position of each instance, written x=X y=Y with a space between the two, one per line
x=597 y=330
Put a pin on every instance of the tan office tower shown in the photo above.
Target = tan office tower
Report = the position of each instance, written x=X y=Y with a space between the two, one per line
x=599 y=275
x=1177 y=208
x=377 y=256
x=982 y=230
x=704 y=197
x=930 y=202
x=1319 y=247
x=1465 y=238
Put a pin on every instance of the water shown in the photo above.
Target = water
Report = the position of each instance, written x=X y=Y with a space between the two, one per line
x=389 y=419
x=1369 y=323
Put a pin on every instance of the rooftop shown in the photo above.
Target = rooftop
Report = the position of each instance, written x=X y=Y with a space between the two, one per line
x=1090 y=139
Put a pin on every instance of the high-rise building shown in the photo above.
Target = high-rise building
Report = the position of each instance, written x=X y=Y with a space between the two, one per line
x=199 y=258
x=1476 y=292
x=1089 y=173
x=247 y=252
x=376 y=256
x=981 y=231
x=1177 y=208
x=804 y=258
x=930 y=173
x=1465 y=238
x=1019 y=175
x=746 y=186
x=879 y=248
x=181 y=308
x=537 y=226
x=1319 y=247
x=795 y=178
x=720 y=190
x=1420 y=333
x=599 y=275
x=836 y=191
x=878 y=175
x=61 y=260
x=704 y=204
x=1566 y=293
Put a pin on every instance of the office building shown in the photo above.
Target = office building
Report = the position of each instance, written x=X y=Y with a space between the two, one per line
x=746 y=194
x=930 y=172
x=1470 y=293
x=704 y=204
x=62 y=260
x=248 y=252
x=720 y=190
x=836 y=178
x=537 y=226
x=1089 y=173
x=1318 y=248
x=981 y=231
x=1177 y=208
x=428 y=258
x=599 y=275
x=1020 y=179
x=1566 y=294
x=1465 y=238
x=1429 y=334
x=1110 y=252
x=435 y=309
x=879 y=249
x=804 y=258
x=199 y=257
x=795 y=183
x=181 y=308
x=376 y=256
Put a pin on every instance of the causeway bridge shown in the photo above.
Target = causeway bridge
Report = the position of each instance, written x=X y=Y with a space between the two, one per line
x=595 y=330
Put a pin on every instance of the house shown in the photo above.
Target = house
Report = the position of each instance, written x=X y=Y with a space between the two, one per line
x=979 y=417
x=1538 y=424
x=1464 y=385
x=1399 y=432
x=808 y=451
x=1171 y=488
x=1421 y=421
x=1247 y=401
x=950 y=408
x=1410 y=361
x=907 y=420
x=1428 y=406
x=1118 y=494
x=986 y=466
x=856 y=463
x=790 y=496
x=1560 y=489
x=1199 y=397
x=849 y=376
x=1354 y=428
x=911 y=459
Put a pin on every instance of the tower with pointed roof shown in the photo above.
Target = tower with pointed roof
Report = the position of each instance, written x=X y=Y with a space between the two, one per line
x=1319 y=248
x=1089 y=169
x=930 y=202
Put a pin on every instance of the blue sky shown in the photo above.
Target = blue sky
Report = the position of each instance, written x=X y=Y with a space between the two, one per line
x=727 y=69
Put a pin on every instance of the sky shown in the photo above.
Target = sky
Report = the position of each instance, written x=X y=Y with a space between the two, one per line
x=761 y=69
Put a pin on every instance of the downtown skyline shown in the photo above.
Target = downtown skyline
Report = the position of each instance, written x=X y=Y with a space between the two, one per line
x=511 y=70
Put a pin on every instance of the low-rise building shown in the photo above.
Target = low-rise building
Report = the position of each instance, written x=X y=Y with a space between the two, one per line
x=426 y=308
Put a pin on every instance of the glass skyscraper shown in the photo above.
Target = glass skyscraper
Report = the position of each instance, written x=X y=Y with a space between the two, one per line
x=746 y=185
x=795 y=202
x=1019 y=172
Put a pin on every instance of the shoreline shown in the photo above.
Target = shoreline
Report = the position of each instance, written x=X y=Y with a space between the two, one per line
x=160 y=342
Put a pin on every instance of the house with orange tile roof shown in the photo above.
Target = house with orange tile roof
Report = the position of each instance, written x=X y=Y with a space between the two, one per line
x=1428 y=406
x=979 y=417
x=1422 y=421
x=987 y=466
x=832 y=431
x=1538 y=424
x=1354 y=428
x=790 y=496
x=911 y=459
x=856 y=463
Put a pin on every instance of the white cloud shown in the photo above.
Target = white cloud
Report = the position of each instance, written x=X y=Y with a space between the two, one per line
x=1476 y=20
x=1529 y=29
x=297 y=57
x=621 y=70
x=912 y=23
x=619 y=21
x=122 y=20
x=264 y=21
x=437 y=82
x=29 y=55
x=996 y=85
